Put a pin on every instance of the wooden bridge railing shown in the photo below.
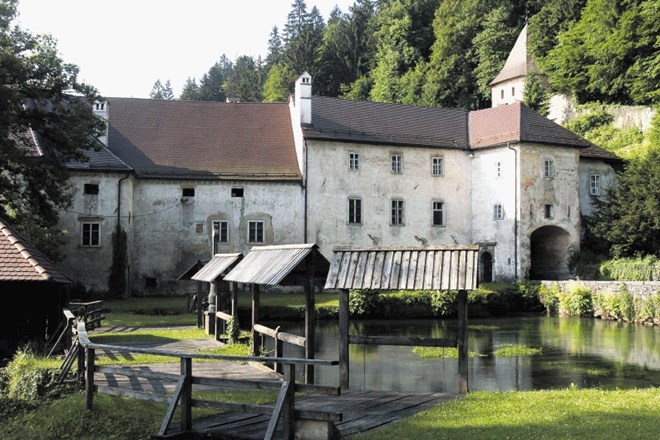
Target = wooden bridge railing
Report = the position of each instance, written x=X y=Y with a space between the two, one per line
x=89 y=312
x=283 y=411
x=279 y=338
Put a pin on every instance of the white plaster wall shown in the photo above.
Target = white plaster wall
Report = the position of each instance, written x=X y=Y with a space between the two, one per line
x=165 y=238
x=91 y=265
x=587 y=168
x=330 y=184
x=489 y=189
x=518 y=86
x=537 y=191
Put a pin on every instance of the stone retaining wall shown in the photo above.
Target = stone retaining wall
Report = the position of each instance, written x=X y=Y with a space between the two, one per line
x=637 y=288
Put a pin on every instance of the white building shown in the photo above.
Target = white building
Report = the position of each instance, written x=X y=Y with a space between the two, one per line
x=189 y=179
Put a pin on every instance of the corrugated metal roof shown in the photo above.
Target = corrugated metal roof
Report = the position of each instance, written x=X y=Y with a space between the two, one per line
x=19 y=261
x=405 y=268
x=219 y=264
x=283 y=265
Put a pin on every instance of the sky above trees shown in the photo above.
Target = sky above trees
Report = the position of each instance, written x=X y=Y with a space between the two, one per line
x=123 y=46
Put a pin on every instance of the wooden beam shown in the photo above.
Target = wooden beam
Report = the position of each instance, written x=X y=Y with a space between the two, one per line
x=89 y=378
x=343 y=339
x=186 y=394
x=255 y=318
x=462 y=342
x=310 y=323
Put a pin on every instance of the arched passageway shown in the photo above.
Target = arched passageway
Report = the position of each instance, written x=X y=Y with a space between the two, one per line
x=550 y=249
x=486 y=267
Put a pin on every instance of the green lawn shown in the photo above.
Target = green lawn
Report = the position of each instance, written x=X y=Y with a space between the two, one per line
x=556 y=414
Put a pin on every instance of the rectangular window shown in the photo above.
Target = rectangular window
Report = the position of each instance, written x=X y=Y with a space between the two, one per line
x=397 y=164
x=594 y=185
x=498 y=169
x=255 y=231
x=397 y=213
x=354 y=211
x=199 y=228
x=91 y=189
x=437 y=166
x=548 y=168
x=220 y=234
x=237 y=192
x=549 y=211
x=91 y=234
x=438 y=213
x=188 y=192
x=353 y=161
x=498 y=212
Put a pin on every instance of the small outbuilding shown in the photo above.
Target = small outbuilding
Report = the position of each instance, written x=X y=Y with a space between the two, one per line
x=34 y=291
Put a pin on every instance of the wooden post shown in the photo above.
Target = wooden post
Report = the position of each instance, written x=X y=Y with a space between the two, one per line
x=279 y=351
x=310 y=329
x=343 y=339
x=255 y=318
x=210 y=316
x=89 y=376
x=186 y=395
x=234 y=299
x=462 y=342
x=81 y=365
x=288 y=410
x=200 y=307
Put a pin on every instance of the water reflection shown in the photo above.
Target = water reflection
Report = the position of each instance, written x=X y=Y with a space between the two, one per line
x=584 y=352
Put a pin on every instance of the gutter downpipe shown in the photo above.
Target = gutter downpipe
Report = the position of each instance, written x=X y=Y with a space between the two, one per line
x=305 y=189
x=119 y=199
x=515 y=216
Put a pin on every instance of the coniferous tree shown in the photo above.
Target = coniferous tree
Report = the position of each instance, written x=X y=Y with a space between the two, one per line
x=244 y=82
x=190 y=90
x=162 y=92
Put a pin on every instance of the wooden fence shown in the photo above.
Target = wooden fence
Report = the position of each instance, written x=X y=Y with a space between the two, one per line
x=282 y=413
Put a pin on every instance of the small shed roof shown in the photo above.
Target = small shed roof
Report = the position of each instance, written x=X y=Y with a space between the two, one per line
x=404 y=268
x=20 y=261
x=192 y=270
x=280 y=265
x=219 y=264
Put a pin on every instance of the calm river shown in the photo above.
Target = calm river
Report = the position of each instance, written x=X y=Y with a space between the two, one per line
x=584 y=352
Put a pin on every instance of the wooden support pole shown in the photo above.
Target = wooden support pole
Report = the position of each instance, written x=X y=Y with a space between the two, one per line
x=81 y=365
x=210 y=316
x=288 y=410
x=310 y=329
x=234 y=300
x=462 y=342
x=89 y=378
x=186 y=395
x=255 y=318
x=279 y=351
x=200 y=307
x=343 y=339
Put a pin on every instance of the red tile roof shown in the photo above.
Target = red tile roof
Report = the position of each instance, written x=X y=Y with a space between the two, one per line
x=19 y=261
x=203 y=140
x=518 y=123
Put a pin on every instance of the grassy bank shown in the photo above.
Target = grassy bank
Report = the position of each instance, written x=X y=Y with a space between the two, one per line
x=557 y=414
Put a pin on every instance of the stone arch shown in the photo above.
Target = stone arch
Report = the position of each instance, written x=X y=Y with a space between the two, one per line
x=550 y=248
x=486 y=269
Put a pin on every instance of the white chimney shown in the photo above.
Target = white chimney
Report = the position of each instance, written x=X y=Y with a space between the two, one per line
x=303 y=95
x=100 y=109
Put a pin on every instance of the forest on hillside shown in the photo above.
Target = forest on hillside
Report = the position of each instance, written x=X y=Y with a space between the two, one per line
x=446 y=52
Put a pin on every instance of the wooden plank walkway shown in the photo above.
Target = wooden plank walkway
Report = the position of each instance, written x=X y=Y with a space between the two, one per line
x=361 y=410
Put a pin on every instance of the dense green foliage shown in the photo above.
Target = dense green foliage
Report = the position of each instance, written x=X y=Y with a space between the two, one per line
x=39 y=90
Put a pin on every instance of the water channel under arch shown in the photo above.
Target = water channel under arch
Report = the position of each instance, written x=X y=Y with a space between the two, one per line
x=584 y=352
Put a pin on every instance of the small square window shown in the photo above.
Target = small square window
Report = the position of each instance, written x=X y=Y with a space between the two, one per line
x=397 y=164
x=594 y=185
x=256 y=231
x=188 y=192
x=199 y=228
x=548 y=168
x=91 y=235
x=91 y=189
x=549 y=211
x=220 y=234
x=237 y=192
x=397 y=213
x=353 y=161
x=437 y=166
x=498 y=212
x=438 y=213
x=354 y=211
